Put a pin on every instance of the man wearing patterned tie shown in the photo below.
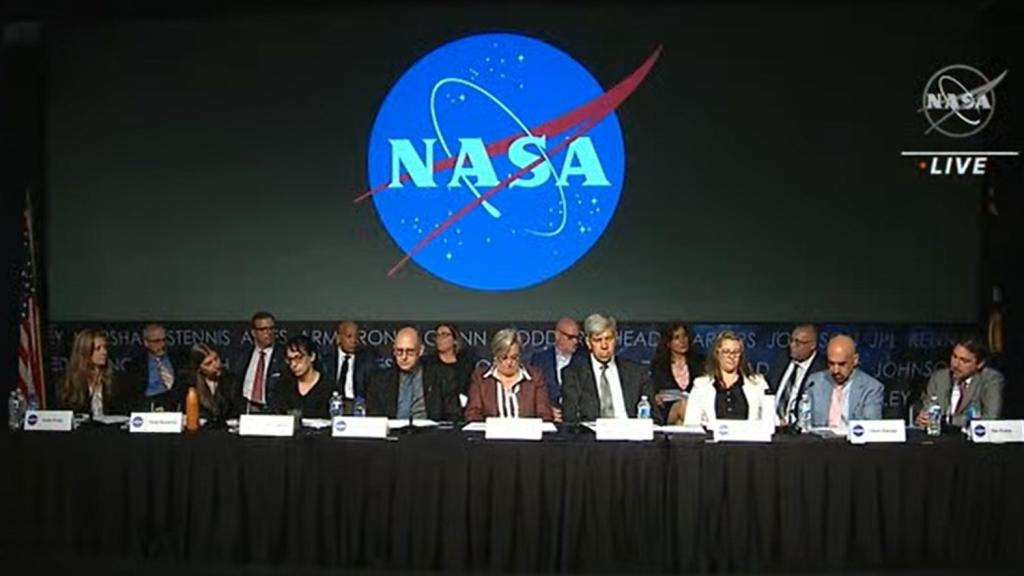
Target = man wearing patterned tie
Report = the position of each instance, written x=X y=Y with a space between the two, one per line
x=843 y=392
x=349 y=364
x=788 y=372
x=153 y=377
x=260 y=365
x=967 y=384
x=600 y=385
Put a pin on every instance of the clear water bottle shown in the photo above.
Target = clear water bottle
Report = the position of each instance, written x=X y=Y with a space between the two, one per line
x=934 y=416
x=643 y=408
x=969 y=415
x=360 y=407
x=335 y=405
x=15 y=409
x=804 y=417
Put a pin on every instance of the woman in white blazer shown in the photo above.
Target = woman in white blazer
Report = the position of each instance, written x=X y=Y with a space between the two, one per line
x=729 y=389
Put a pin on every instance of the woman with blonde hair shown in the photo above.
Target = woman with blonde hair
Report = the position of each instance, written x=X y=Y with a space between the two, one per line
x=88 y=385
x=728 y=390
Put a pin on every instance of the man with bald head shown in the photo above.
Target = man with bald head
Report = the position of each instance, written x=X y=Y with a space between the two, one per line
x=349 y=364
x=552 y=360
x=843 y=392
x=789 y=371
x=410 y=389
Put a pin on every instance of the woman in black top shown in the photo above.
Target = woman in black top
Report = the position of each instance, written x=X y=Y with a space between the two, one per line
x=456 y=364
x=677 y=362
x=220 y=395
x=305 y=389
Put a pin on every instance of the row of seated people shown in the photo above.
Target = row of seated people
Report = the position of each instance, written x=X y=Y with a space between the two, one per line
x=567 y=382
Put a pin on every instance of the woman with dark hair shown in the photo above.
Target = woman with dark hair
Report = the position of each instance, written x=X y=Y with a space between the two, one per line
x=729 y=388
x=450 y=359
x=88 y=385
x=220 y=395
x=675 y=366
x=305 y=389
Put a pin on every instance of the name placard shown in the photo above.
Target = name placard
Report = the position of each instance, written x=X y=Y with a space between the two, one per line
x=742 y=431
x=997 y=431
x=513 y=429
x=871 y=431
x=633 y=429
x=359 y=427
x=266 y=425
x=49 y=420
x=156 y=422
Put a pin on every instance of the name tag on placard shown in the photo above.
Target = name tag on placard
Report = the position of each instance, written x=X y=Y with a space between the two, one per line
x=870 y=431
x=49 y=420
x=741 y=431
x=266 y=425
x=997 y=431
x=156 y=422
x=635 y=429
x=513 y=429
x=359 y=427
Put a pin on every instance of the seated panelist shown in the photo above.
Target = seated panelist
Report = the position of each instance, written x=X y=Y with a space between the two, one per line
x=507 y=389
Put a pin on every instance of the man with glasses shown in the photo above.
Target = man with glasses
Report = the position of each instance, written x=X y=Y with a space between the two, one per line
x=154 y=379
x=411 y=390
x=788 y=372
x=261 y=364
x=552 y=360
x=349 y=364
x=601 y=385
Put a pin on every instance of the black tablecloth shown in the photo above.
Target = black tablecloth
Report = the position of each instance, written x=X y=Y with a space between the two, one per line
x=446 y=500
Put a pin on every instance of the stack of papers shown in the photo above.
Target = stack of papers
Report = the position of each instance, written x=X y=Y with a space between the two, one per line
x=680 y=429
x=111 y=419
x=399 y=424
x=316 y=423
x=482 y=427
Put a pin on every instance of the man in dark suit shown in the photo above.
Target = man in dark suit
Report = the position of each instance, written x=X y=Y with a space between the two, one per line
x=552 y=360
x=410 y=389
x=155 y=380
x=601 y=385
x=260 y=366
x=968 y=384
x=787 y=375
x=349 y=364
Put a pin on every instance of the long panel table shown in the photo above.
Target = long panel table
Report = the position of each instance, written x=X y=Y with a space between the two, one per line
x=450 y=501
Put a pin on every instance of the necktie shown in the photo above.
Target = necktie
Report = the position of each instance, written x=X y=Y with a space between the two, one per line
x=343 y=374
x=607 y=407
x=404 y=396
x=257 y=381
x=788 y=392
x=165 y=373
x=835 y=409
x=958 y=398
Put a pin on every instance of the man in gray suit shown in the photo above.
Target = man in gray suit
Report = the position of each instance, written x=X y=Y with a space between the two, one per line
x=843 y=392
x=967 y=384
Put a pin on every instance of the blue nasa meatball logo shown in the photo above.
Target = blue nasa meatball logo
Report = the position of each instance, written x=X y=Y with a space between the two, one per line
x=858 y=430
x=340 y=425
x=497 y=161
x=979 y=431
x=137 y=422
x=32 y=420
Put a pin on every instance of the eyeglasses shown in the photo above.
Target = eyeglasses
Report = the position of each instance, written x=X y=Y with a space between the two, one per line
x=730 y=352
x=405 y=351
x=509 y=358
x=569 y=335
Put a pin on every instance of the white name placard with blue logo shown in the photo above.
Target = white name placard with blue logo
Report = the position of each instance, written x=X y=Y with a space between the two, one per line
x=49 y=420
x=266 y=425
x=997 y=431
x=359 y=427
x=870 y=431
x=632 y=429
x=513 y=429
x=742 y=431
x=156 y=422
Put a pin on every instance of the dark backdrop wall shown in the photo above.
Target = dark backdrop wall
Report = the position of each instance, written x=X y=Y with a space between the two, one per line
x=202 y=168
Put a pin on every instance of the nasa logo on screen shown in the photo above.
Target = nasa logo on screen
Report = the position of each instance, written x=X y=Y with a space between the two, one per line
x=959 y=100
x=858 y=430
x=497 y=161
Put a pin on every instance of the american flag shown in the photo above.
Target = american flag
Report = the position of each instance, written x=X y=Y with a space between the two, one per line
x=30 y=351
